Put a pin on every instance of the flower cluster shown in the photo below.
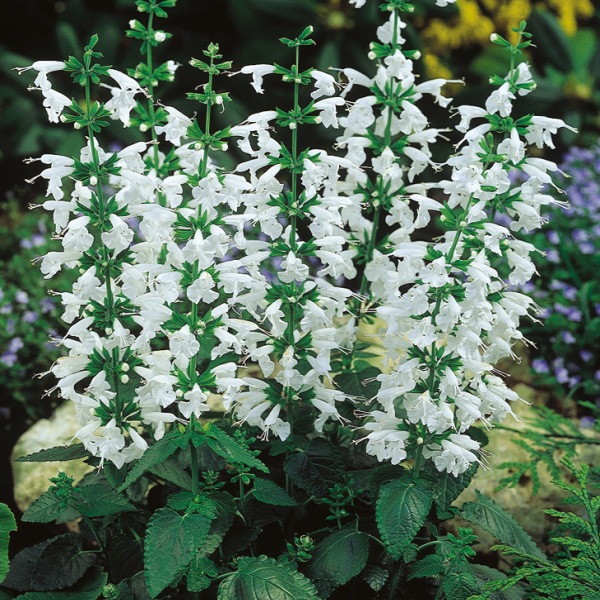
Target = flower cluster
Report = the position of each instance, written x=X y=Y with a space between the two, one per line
x=189 y=273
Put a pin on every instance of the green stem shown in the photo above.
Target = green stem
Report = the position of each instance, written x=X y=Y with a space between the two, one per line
x=92 y=528
x=418 y=462
x=151 y=113
x=110 y=301
x=204 y=163
x=294 y=205
x=397 y=570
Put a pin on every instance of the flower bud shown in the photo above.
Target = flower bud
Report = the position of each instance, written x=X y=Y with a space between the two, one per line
x=125 y=367
x=93 y=180
x=124 y=378
x=160 y=36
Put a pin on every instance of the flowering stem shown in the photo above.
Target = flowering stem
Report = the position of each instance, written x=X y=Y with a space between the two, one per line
x=194 y=463
x=204 y=163
x=293 y=217
x=151 y=112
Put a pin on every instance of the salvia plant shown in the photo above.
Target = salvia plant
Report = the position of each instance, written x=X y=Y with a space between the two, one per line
x=282 y=371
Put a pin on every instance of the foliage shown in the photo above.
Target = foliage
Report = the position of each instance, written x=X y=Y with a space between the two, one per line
x=573 y=570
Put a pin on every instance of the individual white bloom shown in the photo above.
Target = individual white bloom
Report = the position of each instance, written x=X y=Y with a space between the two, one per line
x=176 y=127
x=289 y=376
x=43 y=67
x=53 y=261
x=183 y=345
x=324 y=84
x=119 y=237
x=444 y=3
x=434 y=87
x=500 y=101
x=108 y=445
x=293 y=269
x=385 y=440
x=358 y=3
x=455 y=455
x=355 y=77
x=467 y=113
x=54 y=103
x=327 y=111
x=542 y=129
x=411 y=118
x=385 y=32
x=195 y=403
x=423 y=334
x=122 y=101
x=525 y=78
x=202 y=289
x=77 y=238
x=258 y=72
x=435 y=274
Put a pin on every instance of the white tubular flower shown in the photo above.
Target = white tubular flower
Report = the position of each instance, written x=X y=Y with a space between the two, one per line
x=455 y=454
x=55 y=103
x=500 y=101
x=358 y=3
x=119 y=237
x=258 y=72
x=122 y=101
x=195 y=403
x=324 y=84
x=293 y=269
x=176 y=127
x=183 y=345
x=385 y=440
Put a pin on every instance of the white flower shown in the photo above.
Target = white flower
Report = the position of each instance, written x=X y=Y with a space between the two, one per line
x=324 y=84
x=183 y=345
x=293 y=269
x=176 y=127
x=500 y=101
x=122 y=101
x=119 y=237
x=55 y=103
x=385 y=440
x=258 y=72
x=196 y=403
x=455 y=455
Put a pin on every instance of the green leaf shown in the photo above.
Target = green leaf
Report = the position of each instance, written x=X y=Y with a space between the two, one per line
x=483 y=574
x=126 y=557
x=359 y=384
x=427 y=567
x=153 y=456
x=315 y=469
x=99 y=500
x=264 y=578
x=220 y=524
x=269 y=492
x=402 y=507
x=225 y=446
x=486 y=513
x=447 y=488
x=45 y=509
x=59 y=453
x=171 y=471
x=50 y=565
x=7 y=524
x=89 y=588
x=340 y=556
x=550 y=40
x=170 y=544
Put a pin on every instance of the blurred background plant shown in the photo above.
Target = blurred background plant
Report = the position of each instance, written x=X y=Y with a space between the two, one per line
x=29 y=317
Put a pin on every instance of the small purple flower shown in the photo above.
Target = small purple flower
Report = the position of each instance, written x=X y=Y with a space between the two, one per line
x=22 y=297
x=568 y=337
x=11 y=326
x=587 y=422
x=37 y=240
x=539 y=365
x=570 y=292
x=15 y=345
x=47 y=305
x=586 y=355
x=6 y=309
x=8 y=358
x=597 y=375
x=553 y=237
x=30 y=316
x=580 y=235
x=562 y=375
x=587 y=248
x=552 y=256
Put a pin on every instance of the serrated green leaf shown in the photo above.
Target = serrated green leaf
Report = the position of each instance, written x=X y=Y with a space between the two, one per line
x=360 y=384
x=486 y=513
x=126 y=557
x=402 y=507
x=153 y=456
x=59 y=453
x=220 y=524
x=427 y=567
x=340 y=556
x=264 y=578
x=171 y=471
x=315 y=469
x=269 y=492
x=375 y=576
x=483 y=574
x=225 y=446
x=89 y=588
x=54 y=564
x=7 y=524
x=447 y=488
x=45 y=509
x=99 y=500
x=170 y=544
